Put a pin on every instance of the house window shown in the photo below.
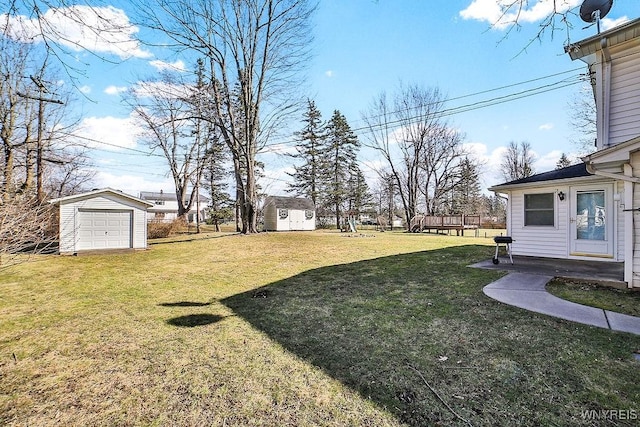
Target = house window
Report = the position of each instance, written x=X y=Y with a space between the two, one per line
x=283 y=213
x=308 y=214
x=159 y=202
x=539 y=209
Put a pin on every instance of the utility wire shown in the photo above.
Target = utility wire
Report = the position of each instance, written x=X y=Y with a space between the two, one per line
x=462 y=108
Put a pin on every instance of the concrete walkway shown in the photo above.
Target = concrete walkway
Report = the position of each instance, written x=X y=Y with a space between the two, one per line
x=527 y=290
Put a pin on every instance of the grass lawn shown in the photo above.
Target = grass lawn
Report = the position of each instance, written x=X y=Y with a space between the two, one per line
x=621 y=300
x=298 y=329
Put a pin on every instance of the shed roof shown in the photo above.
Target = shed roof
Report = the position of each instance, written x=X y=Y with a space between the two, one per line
x=574 y=171
x=161 y=195
x=289 y=202
x=98 y=192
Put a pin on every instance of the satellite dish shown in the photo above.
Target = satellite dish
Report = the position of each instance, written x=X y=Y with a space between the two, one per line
x=594 y=10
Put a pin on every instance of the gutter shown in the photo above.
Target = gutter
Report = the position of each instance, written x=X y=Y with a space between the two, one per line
x=591 y=169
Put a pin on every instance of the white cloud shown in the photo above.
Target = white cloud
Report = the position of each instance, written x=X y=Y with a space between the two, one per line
x=115 y=90
x=131 y=184
x=329 y=73
x=173 y=66
x=608 y=23
x=97 y=29
x=85 y=89
x=546 y=126
x=107 y=132
x=501 y=15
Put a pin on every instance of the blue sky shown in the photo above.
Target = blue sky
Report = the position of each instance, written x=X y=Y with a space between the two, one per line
x=361 y=48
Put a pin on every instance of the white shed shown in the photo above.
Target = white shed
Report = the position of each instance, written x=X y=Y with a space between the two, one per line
x=101 y=220
x=289 y=214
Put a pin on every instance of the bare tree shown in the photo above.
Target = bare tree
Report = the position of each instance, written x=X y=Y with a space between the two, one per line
x=513 y=13
x=253 y=50
x=165 y=109
x=442 y=167
x=421 y=151
x=518 y=161
x=582 y=108
x=27 y=227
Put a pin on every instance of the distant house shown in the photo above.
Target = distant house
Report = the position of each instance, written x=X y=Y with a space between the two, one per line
x=591 y=211
x=165 y=206
x=289 y=214
x=101 y=220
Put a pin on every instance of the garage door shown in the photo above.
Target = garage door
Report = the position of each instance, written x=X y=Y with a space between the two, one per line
x=104 y=229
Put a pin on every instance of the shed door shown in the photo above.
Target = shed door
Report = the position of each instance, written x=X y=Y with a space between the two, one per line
x=296 y=220
x=104 y=229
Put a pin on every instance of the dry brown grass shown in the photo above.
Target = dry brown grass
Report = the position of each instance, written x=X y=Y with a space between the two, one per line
x=182 y=335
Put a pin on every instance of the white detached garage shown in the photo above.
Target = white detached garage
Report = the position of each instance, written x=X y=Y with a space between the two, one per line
x=102 y=220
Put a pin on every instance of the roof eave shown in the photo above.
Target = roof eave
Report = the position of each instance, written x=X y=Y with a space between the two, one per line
x=538 y=184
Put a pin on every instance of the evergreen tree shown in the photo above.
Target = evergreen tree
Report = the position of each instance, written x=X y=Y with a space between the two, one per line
x=467 y=192
x=309 y=178
x=342 y=147
x=216 y=175
x=563 y=162
x=358 y=196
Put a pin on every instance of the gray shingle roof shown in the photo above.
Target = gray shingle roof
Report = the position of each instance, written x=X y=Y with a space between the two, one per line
x=297 y=203
x=573 y=171
x=161 y=195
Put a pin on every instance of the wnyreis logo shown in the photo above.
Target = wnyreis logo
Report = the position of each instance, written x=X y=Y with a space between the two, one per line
x=609 y=414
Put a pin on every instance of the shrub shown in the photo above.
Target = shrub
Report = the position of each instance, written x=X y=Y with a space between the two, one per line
x=158 y=229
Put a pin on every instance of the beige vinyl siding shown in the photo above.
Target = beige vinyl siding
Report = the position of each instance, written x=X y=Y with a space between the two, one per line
x=69 y=226
x=271 y=217
x=541 y=241
x=624 y=121
x=68 y=237
x=635 y=163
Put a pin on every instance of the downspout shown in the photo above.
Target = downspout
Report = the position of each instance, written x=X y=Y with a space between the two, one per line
x=628 y=225
x=606 y=93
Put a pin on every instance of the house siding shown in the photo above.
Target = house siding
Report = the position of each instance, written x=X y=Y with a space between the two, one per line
x=635 y=164
x=69 y=225
x=624 y=120
x=540 y=241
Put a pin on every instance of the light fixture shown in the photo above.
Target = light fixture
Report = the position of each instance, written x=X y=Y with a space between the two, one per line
x=561 y=196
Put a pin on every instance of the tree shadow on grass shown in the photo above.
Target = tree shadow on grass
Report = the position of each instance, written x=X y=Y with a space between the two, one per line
x=385 y=327
x=364 y=322
x=184 y=304
x=193 y=320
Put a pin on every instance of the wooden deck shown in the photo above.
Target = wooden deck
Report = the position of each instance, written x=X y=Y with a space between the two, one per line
x=459 y=223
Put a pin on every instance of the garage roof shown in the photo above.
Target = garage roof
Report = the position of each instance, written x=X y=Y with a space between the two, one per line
x=99 y=192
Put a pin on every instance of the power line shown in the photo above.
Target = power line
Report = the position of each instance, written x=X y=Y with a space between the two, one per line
x=121 y=147
x=467 y=107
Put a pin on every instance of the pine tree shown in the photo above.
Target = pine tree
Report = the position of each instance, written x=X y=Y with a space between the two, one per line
x=309 y=177
x=358 y=196
x=342 y=147
x=563 y=162
x=467 y=192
